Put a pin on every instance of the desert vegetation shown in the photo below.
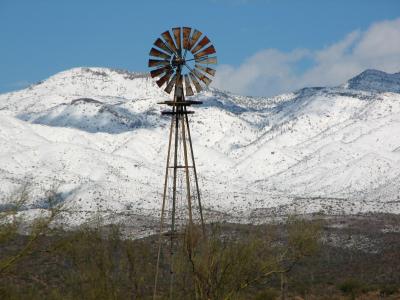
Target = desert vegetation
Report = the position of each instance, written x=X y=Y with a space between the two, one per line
x=352 y=257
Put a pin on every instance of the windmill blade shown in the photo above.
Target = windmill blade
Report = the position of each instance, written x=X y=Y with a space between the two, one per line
x=188 y=87
x=186 y=38
x=177 y=35
x=210 y=50
x=202 y=77
x=206 y=60
x=157 y=72
x=204 y=41
x=156 y=63
x=179 y=86
x=160 y=44
x=206 y=70
x=195 y=82
x=170 y=84
x=168 y=38
x=195 y=37
x=164 y=79
x=158 y=53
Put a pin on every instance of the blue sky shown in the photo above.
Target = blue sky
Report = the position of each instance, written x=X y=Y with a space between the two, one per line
x=40 y=38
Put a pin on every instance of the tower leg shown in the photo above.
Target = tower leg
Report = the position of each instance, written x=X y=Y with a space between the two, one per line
x=195 y=174
x=174 y=201
x=163 y=208
x=185 y=154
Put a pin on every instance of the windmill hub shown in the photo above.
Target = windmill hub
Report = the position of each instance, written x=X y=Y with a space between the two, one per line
x=178 y=61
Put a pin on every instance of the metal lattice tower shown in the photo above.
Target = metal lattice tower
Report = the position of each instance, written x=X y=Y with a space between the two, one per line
x=180 y=61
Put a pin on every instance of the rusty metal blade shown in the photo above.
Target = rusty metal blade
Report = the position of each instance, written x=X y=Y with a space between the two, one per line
x=188 y=87
x=179 y=86
x=204 y=41
x=168 y=38
x=164 y=79
x=202 y=77
x=157 y=72
x=179 y=80
x=186 y=37
x=156 y=63
x=194 y=38
x=158 y=53
x=206 y=70
x=160 y=44
x=195 y=82
x=206 y=60
x=170 y=84
x=177 y=35
x=210 y=50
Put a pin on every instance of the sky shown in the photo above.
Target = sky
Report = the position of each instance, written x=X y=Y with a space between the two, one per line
x=264 y=47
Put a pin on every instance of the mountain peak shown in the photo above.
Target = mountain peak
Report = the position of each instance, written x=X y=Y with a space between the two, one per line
x=375 y=81
x=101 y=72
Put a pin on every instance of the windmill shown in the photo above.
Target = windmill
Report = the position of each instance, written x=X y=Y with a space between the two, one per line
x=180 y=62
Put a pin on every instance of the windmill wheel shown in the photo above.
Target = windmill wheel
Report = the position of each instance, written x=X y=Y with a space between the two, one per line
x=182 y=60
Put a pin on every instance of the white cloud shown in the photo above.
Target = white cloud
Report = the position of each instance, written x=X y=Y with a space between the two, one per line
x=271 y=71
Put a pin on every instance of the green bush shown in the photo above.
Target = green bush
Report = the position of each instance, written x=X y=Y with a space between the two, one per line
x=268 y=294
x=388 y=289
x=350 y=287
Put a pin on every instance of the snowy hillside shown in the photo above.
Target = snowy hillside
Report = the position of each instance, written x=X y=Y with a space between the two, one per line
x=374 y=80
x=98 y=136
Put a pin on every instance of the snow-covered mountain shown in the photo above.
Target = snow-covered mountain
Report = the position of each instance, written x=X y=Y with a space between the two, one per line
x=374 y=80
x=98 y=136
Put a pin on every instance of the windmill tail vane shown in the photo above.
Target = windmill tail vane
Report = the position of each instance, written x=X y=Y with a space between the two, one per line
x=180 y=61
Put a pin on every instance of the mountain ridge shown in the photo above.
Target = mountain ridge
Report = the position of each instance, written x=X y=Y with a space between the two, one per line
x=254 y=153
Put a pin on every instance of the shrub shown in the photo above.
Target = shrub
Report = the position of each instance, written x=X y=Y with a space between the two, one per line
x=350 y=287
x=268 y=294
x=388 y=289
